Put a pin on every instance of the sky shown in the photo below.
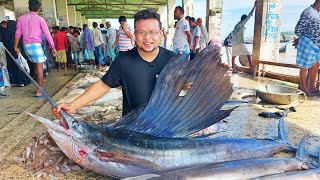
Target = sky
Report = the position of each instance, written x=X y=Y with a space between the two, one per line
x=233 y=9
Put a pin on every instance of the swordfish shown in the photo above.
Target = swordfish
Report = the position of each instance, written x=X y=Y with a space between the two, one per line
x=154 y=138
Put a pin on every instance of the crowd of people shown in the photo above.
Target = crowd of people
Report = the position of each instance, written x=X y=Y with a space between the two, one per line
x=73 y=46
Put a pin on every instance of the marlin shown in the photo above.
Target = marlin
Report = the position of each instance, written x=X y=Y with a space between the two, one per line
x=247 y=168
x=153 y=138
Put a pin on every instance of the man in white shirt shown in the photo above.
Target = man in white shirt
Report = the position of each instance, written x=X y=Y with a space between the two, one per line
x=204 y=38
x=98 y=44
x=182 y=40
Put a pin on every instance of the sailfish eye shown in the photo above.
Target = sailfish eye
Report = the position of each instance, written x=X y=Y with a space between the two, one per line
x=75 y=124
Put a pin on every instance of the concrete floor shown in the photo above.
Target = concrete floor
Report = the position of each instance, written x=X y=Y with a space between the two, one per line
x=17 y=130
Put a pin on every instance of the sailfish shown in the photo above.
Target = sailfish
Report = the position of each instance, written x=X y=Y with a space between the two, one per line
x=154 y=138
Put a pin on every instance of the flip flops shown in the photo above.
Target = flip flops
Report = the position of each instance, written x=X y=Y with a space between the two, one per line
x=40 y=97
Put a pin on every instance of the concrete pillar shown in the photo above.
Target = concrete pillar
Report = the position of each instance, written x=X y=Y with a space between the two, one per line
x=162 y=10
x=214 y=18
x=188 y=7
x=267 y=30
x=171 y=5
x=49 y=12
x=20 y=7
x=84 y=20
x=72 y=15
x=79 y=19
x=2 y=14
x=62 y=13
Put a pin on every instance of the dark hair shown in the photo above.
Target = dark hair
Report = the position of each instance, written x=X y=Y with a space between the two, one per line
x=56 y=28
x=101 y=25
x=244 y=17
x=122 y=18
x=76 y=31
x=95 y=24
x=71 y=27
x=80 y=29
x=146 y=14
x=85 y=26
x=192 y=19
x=188 y=17
x=63 y=29
x=180 y=9
x=34 y=5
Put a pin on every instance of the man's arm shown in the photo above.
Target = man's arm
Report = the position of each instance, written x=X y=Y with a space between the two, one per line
x=93 y=93
x=128 y=32
x=188 y=33
x=17 y=37
x=116 y=41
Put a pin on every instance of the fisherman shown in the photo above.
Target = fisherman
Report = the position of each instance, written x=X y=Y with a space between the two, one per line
x=87 y=44
x=99 y=45
x=110 y=37
x=238 y=46
x=135 y=70
x=61 y=43
x=182 y=40
x=308 y=50
x=31 y=26
x=204 y=38
x=196 y=33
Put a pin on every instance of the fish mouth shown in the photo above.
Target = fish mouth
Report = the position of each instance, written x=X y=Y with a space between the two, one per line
x=63 y=138
x=51 y=125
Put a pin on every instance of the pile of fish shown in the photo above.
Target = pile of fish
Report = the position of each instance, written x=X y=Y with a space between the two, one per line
x=43 y=157
x=153 y=140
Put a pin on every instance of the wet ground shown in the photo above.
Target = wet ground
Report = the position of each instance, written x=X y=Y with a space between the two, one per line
x=17 y=130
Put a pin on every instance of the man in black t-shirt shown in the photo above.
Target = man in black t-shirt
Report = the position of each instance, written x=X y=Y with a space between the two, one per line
x=135 y=70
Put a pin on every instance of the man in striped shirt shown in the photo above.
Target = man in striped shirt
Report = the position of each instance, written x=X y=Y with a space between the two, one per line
x=125 y=35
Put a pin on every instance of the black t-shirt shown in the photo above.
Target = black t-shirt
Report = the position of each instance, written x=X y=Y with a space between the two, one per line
x=136 y=76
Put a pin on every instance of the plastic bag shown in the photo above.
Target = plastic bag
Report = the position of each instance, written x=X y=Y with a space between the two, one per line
x=6 y=78
x=23 y=63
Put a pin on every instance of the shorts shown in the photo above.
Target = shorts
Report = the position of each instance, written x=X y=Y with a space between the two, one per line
x=35 y=52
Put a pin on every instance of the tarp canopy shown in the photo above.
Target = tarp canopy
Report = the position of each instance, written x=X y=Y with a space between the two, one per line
x=96 y=9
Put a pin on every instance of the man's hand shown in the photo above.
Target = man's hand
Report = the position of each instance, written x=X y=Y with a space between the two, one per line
x=191 y=47
x=17 y=50
x=54 y=52
x=124 y=26
x=68 y=107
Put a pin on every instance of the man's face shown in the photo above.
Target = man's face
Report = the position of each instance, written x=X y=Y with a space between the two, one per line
x=199 y=22
x=192 y=24
x=108 y=25
x=122 y=23
x=148 y=34
x=177 y=14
